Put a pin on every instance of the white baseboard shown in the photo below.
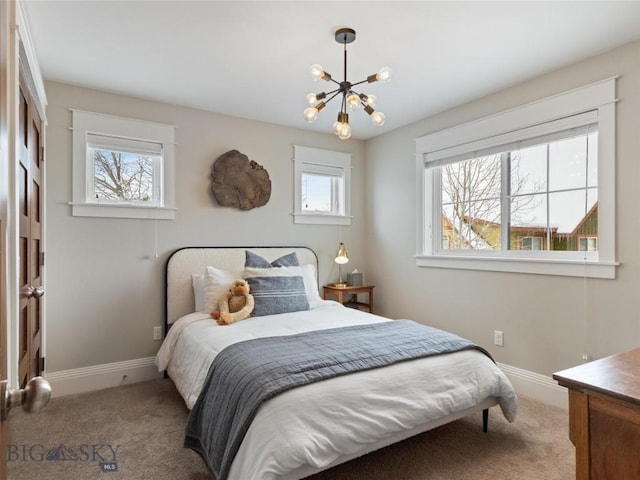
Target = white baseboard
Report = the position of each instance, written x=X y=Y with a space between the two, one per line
x=97 y=377
x=536 y=386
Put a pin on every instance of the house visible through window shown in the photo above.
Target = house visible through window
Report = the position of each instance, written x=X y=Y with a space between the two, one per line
x=322 y=186
x=532 y=187
x=122 y=167
x=541 y=197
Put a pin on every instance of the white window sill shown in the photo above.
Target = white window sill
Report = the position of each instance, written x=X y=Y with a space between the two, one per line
x=121 y=211
x=319 y=219
x=570 y=268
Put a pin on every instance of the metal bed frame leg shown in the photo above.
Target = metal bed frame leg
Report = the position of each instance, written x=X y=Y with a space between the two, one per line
x=485 y=420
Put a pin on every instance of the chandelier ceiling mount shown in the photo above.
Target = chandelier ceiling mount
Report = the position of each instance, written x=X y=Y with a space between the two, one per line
x=350 y=98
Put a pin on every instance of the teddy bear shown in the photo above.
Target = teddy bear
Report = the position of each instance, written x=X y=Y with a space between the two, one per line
x=235 y=304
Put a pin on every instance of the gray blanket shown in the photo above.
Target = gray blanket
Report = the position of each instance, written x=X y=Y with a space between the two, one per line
x=246 y=374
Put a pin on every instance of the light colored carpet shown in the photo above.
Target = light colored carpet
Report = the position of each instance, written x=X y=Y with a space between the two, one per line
x=144 y=423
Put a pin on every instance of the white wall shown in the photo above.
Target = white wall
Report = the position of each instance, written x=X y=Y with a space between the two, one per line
x=104 y=286
x=547 y=320
x=105 y=289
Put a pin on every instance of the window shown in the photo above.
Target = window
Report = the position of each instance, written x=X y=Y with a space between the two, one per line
x=322 y=186
x=322 y=190
x=122 y=167
x=528 y=190
x=514 y=199
x=531 y=243
x=588 y=244
x=124 y=170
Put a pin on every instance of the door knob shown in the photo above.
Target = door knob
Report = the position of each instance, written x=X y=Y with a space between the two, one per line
x=33 y=398
x=33 y=292
x=37 y=291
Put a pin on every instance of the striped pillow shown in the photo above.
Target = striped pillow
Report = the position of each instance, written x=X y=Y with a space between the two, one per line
x=276 y=291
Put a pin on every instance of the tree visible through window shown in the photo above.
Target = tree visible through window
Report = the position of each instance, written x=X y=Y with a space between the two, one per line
x=123 y=176
x=543 y=197
x=122 y=168
x=472 y=197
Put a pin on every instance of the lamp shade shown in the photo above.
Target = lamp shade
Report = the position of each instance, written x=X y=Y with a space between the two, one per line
x=341 y=256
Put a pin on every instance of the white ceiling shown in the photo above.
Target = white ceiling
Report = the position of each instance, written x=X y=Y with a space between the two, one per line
x=251 y=59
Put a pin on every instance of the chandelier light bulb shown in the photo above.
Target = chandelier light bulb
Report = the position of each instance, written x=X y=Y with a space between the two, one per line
x=317 y=72
x=377 y=118
x=311 y=99
x=371 y=100
x=384 y=75
x=345 y=132
x=343 y=119
x=353 y=101
x=310 y=114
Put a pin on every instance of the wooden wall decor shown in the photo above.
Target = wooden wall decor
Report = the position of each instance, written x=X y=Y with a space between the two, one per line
x=239 y=182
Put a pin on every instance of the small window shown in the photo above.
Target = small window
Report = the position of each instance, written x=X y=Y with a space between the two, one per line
x=322 y=186
x=531 y=243
x=124 y=171
x=123 y=168
x=588 y=244
x=322 y=191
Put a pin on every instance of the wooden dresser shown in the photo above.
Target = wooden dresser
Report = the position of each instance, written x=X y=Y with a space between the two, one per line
x=604 y=416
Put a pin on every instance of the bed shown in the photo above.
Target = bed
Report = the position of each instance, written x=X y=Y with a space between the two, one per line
x=310 y=428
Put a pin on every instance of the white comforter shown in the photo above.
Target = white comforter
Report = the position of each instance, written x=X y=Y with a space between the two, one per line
x=308 y=428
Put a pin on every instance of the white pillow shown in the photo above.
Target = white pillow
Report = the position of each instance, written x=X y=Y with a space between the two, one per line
x=310 y=282
x=216 y=282
x=197 y=280
x=307 y=272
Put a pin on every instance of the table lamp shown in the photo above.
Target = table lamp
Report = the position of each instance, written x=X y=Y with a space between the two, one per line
x=341 y=259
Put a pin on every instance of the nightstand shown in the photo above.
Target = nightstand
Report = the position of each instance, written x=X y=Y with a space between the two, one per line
x=348 y=296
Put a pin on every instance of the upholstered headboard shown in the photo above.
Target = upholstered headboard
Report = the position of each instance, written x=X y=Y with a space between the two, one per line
x=186 y=261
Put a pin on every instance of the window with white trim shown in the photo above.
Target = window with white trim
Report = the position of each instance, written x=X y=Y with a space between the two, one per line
x=122 y=167
x=527 y=190
x=531 y=243
x=588 y=244
x=322 y=186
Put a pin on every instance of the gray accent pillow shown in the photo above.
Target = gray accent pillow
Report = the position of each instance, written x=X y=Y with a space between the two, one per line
x=273 y=295
x=257 y=261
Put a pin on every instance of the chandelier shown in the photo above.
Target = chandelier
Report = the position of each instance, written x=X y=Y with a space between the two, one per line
x=350 y=98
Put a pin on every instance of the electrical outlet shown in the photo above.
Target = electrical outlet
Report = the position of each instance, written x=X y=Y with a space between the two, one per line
x=157 y=333
x=498 y=338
